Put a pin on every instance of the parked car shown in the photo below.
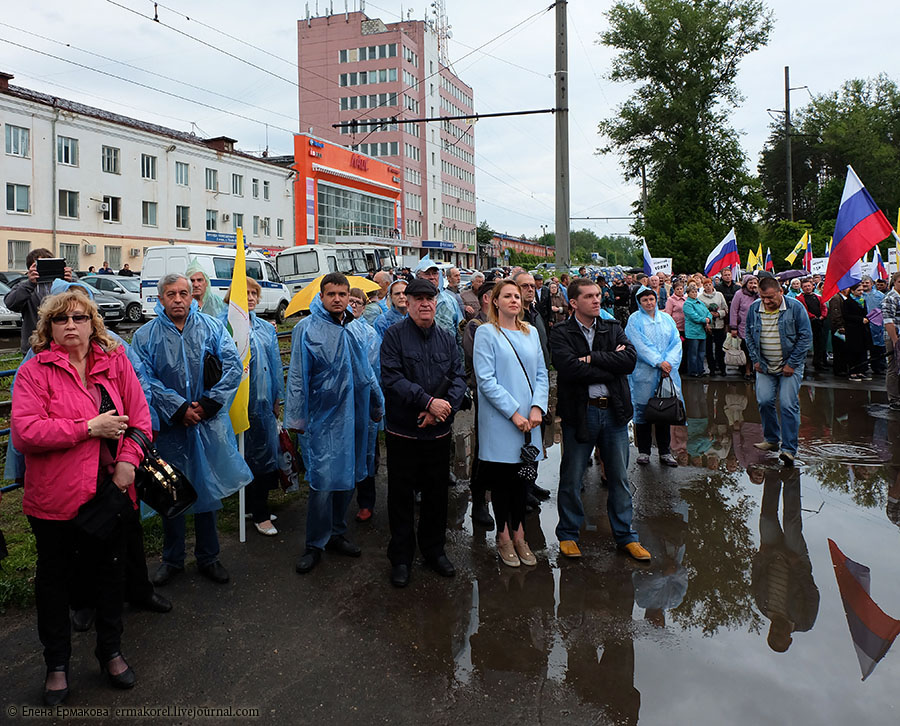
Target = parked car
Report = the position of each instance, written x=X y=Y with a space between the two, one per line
x=10 y=276
x=8 y=319
x=112 y=309
x=126 y=289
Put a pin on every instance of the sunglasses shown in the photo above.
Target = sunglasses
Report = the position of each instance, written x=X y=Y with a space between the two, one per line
x=76 y=318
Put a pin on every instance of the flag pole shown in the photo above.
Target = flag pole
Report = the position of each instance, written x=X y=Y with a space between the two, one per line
x=242 y=522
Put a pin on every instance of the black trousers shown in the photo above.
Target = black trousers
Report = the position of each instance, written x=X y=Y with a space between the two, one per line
x=417 y=465
x=840 y=365
x=643 y=437
x=508 y=493
x=365 y=489
x=65 y=554
x=257 y=495
x=819 y=343
x=715 y=354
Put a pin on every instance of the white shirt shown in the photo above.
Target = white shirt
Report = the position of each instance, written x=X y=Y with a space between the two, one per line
x=595 y=390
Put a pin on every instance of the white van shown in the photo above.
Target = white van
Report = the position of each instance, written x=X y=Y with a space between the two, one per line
x=218 y=264
x=300 y=265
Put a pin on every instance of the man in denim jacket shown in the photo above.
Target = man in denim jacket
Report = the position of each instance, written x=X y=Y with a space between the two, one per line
x=778 y=338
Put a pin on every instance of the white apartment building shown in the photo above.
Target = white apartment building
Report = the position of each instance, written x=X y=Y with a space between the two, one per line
x=94 y=186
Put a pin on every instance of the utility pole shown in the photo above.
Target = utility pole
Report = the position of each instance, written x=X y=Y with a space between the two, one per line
x=787 y=142
x=562 y=137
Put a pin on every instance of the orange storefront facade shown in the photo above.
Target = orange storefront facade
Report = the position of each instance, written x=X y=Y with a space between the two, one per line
x=342 y=196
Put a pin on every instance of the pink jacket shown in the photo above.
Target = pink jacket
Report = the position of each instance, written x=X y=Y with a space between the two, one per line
x=675 y=308
x=50 y=411
x=740 y=306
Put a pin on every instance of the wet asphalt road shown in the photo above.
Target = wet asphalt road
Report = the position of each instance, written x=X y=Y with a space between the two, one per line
x=594 y=641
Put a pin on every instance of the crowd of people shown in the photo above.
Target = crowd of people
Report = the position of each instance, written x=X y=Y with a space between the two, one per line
x=404 y=359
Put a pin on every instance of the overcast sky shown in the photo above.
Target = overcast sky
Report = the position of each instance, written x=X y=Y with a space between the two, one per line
x=824 y=43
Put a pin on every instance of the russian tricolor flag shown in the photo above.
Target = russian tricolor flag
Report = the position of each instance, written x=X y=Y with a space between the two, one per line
x=860 y=226
x=648 y=261
x=724 y=255
x=770 y=266
x=880 y=269
x=872 y=630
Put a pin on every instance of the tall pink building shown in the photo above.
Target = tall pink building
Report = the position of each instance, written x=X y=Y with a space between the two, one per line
x=356 y=68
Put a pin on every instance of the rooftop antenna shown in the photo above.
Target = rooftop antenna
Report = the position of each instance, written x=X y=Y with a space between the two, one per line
x=442 y=28
x=308 y=22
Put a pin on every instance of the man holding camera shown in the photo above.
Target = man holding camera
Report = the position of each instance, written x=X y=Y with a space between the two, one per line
x=27 y=294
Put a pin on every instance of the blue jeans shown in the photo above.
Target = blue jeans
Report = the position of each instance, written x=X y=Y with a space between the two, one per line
x=206 y=539
x=326 y=516
x=695 y=349
x=787 y=390
x=611 y=440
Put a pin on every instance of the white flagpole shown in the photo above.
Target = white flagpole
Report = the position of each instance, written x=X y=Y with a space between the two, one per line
x=242 y=522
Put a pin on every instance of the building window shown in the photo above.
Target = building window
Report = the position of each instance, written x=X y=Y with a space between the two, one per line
x=237 y=222
x=342 y=56
x=18 y=198
x=67 y=150
x=68 y=204
x=266 y=190
x=344 y=212
x=267 y=226
x=148 y=214
x=17 y=140
x=255 y=224
x=212 y=216
x=148 y=167
x=112 y=212
x=237 y=185
x=182 y=174
x=279 y=228
x=255 y=185
x=212 y=180
x=109 y=160
x=113 y=255
x=70 y=253
x=182 y=217
x=16 y=252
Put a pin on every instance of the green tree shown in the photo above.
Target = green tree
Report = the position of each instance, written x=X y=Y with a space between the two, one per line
x=684 y=56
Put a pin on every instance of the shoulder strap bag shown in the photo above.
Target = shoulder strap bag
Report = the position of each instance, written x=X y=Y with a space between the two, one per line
x=665 y=409
x=528 y=455
x=159 y=484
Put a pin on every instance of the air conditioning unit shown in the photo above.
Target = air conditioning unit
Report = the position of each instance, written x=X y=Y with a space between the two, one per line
x=90 y=249
x=104 y=206
x=226 y=217
x=135 y=252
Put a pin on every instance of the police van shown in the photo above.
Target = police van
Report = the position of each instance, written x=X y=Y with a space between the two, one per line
x=298 y=266
x=218 y=264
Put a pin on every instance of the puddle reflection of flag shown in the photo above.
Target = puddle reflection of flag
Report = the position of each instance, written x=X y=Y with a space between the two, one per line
x=873 y=631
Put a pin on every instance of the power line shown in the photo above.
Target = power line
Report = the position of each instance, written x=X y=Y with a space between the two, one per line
x=507 y=209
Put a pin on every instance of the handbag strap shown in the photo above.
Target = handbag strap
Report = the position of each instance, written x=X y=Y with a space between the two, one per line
x=659 y=386
x=140 y=438
x=527 y=435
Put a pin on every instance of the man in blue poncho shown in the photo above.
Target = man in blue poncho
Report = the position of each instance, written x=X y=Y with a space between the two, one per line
x=447 y=315
x=194 y=371
x=332 y=393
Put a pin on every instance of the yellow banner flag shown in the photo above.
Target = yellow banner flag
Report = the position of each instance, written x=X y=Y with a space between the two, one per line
x=239 y=327
x=760 y=260
x=798 y=248
x=752 y=262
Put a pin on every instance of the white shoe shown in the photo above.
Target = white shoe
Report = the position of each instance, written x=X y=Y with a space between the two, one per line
x=643 y=459
x=268 y=531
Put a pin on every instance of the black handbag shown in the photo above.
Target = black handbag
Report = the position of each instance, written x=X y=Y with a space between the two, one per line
x=528 y=454
x=212 y=371
x=99 y=516
x=662 y=409
x=159 y=484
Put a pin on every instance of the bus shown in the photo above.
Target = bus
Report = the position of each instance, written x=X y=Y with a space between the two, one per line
x=298 y=266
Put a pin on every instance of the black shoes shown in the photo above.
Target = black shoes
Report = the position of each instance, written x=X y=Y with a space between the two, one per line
x=156 y=603
x=540 y=493
x=441 y=565
x=400 y=575
x=532 y=503
x=83 y=619
x=481 y=516
x=343 y=546
x=309 y=560
x=215 y=572
x=164 y=574
x=124 y=680
x=57 y=696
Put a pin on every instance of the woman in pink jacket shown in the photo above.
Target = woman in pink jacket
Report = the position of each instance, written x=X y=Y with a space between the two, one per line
x=740 y=306
x=70 y=449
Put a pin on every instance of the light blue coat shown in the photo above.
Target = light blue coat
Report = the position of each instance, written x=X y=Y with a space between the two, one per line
x=655 y=340
x=503 y=390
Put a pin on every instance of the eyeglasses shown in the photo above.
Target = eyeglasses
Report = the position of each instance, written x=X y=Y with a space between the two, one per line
x=356 y=301
x=527 y=284
x=76 y=318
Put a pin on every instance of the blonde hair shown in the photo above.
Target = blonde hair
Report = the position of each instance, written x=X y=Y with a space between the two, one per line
x=251 y=285
x=493 y=315
x=61 y=303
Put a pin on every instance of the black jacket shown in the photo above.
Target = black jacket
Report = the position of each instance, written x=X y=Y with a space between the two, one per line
x=25 y=297
x=534 y=318
x=542 y=303
x=416 y=366
x=567 y=345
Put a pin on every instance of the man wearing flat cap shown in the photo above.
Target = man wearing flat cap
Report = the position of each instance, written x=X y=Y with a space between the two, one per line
x=423 y=383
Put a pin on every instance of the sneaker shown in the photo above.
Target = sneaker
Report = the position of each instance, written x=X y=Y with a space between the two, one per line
x=668 y=460
x=637 y=552
x=866 y=377
x=766 y=446
x=643 y=459
x=364 y=515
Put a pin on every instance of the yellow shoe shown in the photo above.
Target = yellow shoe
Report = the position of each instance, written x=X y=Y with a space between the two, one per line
x=569 y=548
x=635 y=550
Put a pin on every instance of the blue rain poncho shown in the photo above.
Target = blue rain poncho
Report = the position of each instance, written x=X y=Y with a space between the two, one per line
x=206 y=452
x=210 y=303
x=389 y=317
x=447 y=313
x=261 y=448
x=370 y=341
x=655 y=340
x=331 y=394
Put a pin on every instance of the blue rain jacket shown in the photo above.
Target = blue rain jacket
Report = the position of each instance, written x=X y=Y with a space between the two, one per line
x=655 y=340
x=386 y=320
x=447 y=313
x=331 y=394
x=207 y=452
x=369 y=340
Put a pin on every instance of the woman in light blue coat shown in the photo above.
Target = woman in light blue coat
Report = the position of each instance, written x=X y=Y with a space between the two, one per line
x=512 y=399
x=658 y=344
